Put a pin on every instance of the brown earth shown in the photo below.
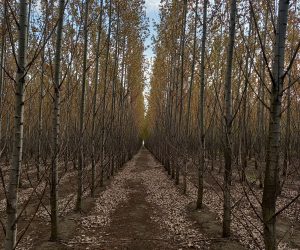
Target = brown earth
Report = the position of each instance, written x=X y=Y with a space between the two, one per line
x=138 y=224
x=129 y=214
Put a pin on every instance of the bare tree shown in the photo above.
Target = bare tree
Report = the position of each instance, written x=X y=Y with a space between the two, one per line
x=12 y=193
x=97 y=61
x=202 y=108
x=271 y=181
x=56 y=123
x=228 y=123
x=2 y=56
x=82 y=110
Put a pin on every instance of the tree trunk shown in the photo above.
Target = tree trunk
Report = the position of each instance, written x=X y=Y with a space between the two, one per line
x=103 y=134
x=94 y=174
x=271 y=181
x=12 y=192
x=202 y=109
x=56 y=124
x=42 y=95
x=2 y=56
x=244 y=138
x=181 y=101
x=114 y=83
x=228 y=124
x=82 y=112
x=261 y=112
x=287 y=146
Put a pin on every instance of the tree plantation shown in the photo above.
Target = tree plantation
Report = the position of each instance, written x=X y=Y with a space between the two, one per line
x=107 y=145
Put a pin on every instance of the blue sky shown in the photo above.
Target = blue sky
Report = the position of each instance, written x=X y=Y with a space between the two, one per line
x=152 y=11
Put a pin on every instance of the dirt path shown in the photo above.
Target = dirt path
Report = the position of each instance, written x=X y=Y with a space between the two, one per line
x=141 y=209
x=132 y=227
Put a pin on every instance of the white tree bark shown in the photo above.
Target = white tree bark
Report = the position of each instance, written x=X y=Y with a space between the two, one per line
x=82 y=110
x=228 y=123
x=202 y=108
x=12 y=193
x=2 y=55
x=56 y=124
x=97 y=62
x=271 y=181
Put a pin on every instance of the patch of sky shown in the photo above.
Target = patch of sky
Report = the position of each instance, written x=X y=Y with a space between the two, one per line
x=152 y=12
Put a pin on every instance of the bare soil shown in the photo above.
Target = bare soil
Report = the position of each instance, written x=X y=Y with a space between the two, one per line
x=140 y=208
